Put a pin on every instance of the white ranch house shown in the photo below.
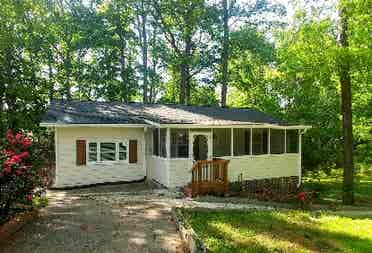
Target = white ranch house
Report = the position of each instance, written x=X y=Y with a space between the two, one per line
x=101 y=142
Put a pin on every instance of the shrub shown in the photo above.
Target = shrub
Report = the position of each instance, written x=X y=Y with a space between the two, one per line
x=20 y=173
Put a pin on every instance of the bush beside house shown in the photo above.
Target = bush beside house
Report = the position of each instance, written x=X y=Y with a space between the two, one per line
x=21 y=177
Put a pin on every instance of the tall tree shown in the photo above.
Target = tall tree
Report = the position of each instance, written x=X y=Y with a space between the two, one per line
x=225 y=52
x=345 y=81
x=142 y=13
x=180 y=22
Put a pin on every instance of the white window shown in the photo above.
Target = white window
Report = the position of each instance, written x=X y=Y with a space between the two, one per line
x=107 y=151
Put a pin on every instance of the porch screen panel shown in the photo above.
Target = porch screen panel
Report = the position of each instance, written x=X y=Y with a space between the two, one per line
x=163 y=141
x=242 y=139
x=155 y=142
x=221 y=142
x=292 y=141
x=179 y=143
x=277 y=141
x=259 y=141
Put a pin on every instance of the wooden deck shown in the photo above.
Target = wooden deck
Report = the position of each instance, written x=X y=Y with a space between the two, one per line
x=209 y=177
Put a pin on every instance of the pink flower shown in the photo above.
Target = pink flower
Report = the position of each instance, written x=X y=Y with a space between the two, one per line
x=26 y=142
x=19 y=136
x=19 y=172
x=8 y=170
x=302 y=196
x=23 y=155
x=29 y=197
x=10 y=153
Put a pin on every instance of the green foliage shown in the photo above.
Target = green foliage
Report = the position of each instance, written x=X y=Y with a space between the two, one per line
x=91 y=50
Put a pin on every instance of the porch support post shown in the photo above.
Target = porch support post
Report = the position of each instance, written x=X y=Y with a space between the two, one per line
x=300 y=156
x=250 y=143
x=285 y=141
x=232 y=142
x=211 y=147
x=268 y=141
x=168 y=143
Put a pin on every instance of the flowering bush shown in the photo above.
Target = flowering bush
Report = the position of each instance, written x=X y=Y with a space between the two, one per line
x=20 y=172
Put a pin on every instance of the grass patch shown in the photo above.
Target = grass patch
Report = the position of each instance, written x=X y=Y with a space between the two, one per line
x=279 y=231
x=329 y=186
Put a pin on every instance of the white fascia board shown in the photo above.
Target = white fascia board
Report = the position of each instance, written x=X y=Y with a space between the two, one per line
x=91 y=125
x=248 y=125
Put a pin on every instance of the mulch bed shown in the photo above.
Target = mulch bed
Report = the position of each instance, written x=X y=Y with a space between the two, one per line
x=16 y=222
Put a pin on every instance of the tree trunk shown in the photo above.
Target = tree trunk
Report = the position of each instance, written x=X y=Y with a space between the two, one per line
x=50 y=76
x=186 y=69
x=123 y=75
x=345 y=81
x=183 y=83
x=144 y=53
x=225 y=53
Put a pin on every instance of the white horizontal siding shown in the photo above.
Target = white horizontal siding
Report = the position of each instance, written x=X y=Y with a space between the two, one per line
x=68 y=174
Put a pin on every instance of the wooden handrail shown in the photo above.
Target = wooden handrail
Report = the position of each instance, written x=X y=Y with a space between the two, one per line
x=209 y=177
x=210 y=170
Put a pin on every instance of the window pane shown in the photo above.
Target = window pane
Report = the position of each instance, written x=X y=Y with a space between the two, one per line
x=107 y=147
x=108 y=156
x=259 y=141
x=123 y=156
x=179 y=143
x=276 y=141
x=162 y=146
x=92 y=152
x=221 y=142
x=242 y=141
x=108 y=151
x=292 y=141
x=122 y=151
x=155 y=142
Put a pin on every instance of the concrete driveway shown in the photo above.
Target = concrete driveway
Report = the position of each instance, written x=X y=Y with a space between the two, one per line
x=122 y=218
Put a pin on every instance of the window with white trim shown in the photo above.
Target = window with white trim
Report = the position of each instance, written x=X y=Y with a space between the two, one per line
x=107 y=151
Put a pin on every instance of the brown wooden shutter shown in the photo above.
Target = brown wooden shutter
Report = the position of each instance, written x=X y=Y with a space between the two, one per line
x=132 y=151
x=81 y=152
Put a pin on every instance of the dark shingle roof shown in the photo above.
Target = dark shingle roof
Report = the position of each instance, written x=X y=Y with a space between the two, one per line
x=89 y=112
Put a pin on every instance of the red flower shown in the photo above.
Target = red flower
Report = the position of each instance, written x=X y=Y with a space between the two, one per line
x=23 y=155
x=19 y=172
x=302 y=196
x=19 y=136
x=26 y=142
x=29 y=197
x=9 y=135
x=8 y=169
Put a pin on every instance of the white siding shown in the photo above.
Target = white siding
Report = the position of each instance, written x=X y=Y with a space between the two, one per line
x=159 y=170
x=251 y=167
x=68 y=174
x=263 y=166
x=179 y=172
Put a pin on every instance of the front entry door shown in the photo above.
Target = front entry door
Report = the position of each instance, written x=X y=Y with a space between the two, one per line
x=201 y=146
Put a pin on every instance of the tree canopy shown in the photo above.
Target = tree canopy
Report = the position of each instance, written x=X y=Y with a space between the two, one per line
x=177 y=51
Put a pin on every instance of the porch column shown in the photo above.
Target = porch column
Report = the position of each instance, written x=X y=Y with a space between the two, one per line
x=232 y=142
x=300 y=156
x=285 y=141
x=168 y=143
x=250 y=142
x=268 y=141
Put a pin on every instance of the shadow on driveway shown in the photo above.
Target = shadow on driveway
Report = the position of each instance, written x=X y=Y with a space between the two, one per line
x=76 y=221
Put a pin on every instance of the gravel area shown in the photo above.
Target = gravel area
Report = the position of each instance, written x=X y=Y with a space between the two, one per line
x=121 y=218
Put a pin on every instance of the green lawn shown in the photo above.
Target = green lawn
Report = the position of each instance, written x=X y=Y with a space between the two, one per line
x=330 y=186
x=280 y=231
